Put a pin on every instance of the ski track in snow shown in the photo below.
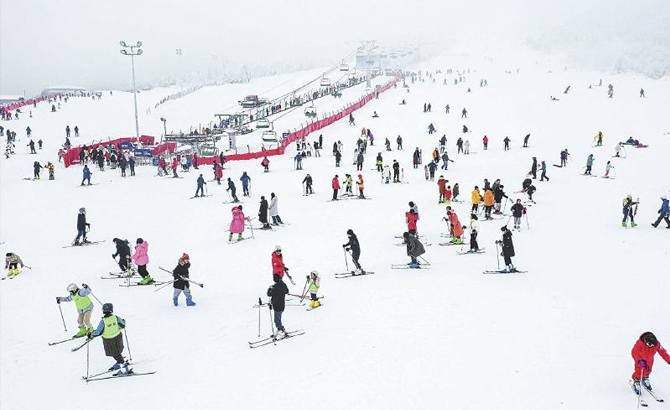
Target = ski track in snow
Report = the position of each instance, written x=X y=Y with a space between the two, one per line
x=558 y=336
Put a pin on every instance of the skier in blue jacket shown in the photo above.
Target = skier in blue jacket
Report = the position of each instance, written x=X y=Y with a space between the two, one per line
x=663 y=213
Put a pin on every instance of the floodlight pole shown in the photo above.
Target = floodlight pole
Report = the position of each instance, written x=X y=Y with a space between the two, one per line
x=134 y=51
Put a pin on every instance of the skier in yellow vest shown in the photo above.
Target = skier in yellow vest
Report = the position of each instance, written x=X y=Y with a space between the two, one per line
x=361 y=186
x=12 y=260
x=112 y=340
x=313 y=287
x=83 y=304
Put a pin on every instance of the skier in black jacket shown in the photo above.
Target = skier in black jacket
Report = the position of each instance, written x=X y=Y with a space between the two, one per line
x=181 y=284
x=498 y=195
x=123 y=252
x=308 y=185
x=278 y=292
x=517 y=212
x=507 y=249
x=263 y=213
x=355 y=249
x=81 y=227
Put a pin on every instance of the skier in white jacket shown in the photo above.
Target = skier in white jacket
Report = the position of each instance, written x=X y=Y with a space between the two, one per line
x=274 y=210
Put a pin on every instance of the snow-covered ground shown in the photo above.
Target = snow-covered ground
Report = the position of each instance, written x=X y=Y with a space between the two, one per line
x=558 y=336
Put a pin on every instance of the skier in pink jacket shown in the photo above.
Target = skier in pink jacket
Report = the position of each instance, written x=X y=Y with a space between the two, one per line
x=141 y=259
x=237 y=224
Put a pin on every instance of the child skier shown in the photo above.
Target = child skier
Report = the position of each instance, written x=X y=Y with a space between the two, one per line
x=313 y=284
x=628 y=211
x=237 y=224
x=83 y=304
x=181 y=284
x=643 y=353
x=411 y=218
x=109 y=328
x=141 y=259
x=11 y=262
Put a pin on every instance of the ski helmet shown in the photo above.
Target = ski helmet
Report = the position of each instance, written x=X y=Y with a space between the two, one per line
x=277 y=248
x=649 y=339
x=107 y=308
x=72 y=288
x=315 y=273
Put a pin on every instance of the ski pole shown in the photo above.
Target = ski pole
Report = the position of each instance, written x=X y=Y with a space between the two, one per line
x=88 y=349
x=167 y=284
x=260 y=303
x=527 y=225
x=251 y=228
x=62 y=317
x=346 y=262
x=497 y=256
x=272 y=325
x=423 y=259
x=125 y=333
x=96 y=298
x=304 y=291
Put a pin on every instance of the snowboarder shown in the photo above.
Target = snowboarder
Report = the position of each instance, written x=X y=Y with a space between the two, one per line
x=507 y=249
x=109 y=328
x=201 y=186
x=86 y=175
x=414 y=249
x=263 y=213
x=237 y=224
x=278 y=292
x=181 y=284
x=83 y=304
x=628 y=211
x=643 y=353
x=354 y=248
x=663 y=213
x=123 y=252
x=231 y=188
x=141 y=259
x=274 y=210
x=12 y=260
x=245 y=183
x=82 y=226
x=313 y=285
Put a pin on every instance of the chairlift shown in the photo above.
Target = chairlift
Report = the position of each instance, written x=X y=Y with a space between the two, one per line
x=310 y=111
x=344 y=67
x=269 y=136
x=325 y=81
x=352 y=74
x=263 y=123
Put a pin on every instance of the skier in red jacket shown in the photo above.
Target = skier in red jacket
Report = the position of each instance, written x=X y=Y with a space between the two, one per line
x=336 y=187
x=278 y=267
x=643 y=353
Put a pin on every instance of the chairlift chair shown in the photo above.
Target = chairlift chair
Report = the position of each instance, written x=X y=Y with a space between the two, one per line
x=310 y=111
x=263 y=123
x=269 y=136
x=344 y=67
x=325 y=81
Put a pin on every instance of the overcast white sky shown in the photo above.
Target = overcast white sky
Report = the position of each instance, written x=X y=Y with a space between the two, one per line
x=75 y=42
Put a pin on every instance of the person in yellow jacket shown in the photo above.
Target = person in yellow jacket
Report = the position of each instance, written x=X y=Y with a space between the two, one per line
x=488 y=203
x=361 y=186
x=476 y=200
x=109 y=328
x=50 y=167
x=83 y=304
x=12 y=260
x=314 y=282
x=598 y=139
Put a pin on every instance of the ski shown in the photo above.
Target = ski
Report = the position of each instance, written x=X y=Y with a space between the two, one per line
x=82 y=345
x=232 y=202
x=62 y=341
x=654 y=395
x=273 y=336
x=451 y=244
x=312 y=308
x=406 y=266
x=200 y=196
x=125 y=285
x=481 y=250
x=503 y=272
x=352 y=274
x=274 y=340
x=121 y=376
x=84 y=244
x=107 y=371
x=638 y=393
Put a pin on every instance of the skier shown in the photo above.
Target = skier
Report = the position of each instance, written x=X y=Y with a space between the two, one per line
x=442 y=188
x=109 y=328
x=416 y=158
x=466 y=147
x=352 y=122
x=525 y=140
x=83 y=304
x=476 y=199
x=31 y=144
x=123 y=252
x=298 y=161
x=443 y=143
x=278 y=267
x=67 y=131
x=380 y=162
x=643 y=353
x=233 y=190
x=82 y=226
x=399 y=142
x=245 y=183
x=589 y=164
x=445 y=160
x=663 y=213
x=411 y=218
x=396 y=171
x=456 y=191
x=506 y=141
x=174 y=168
x=278 y=291
x=37 y=167
x=446 y=109
x=361 y=186
x=308 y=184
x=459 y=144
x=628 y=211
x=619 y=147
x=336 y=187
x=455 y=227
x=266 y=164
x=355 y=248
x=87 y=175
x=474 y=231
x=518 y=211
x=543 y=168
x=313 y=285
x=274 y=210
x=12 y=260
x=141 y=259
x=201 y=186
x=507 y=249
x=485 y=140
x=237 y=224
x=498 y=195
x=181 y=283
x=608 y=168
x=388 y=144
x=464 y=113
x=359 y=161
x=414 y=249
x=348 y=183
x=488 y=204
x=598 y=139
x=263 y=213
x=218 y=172
x=338 y=158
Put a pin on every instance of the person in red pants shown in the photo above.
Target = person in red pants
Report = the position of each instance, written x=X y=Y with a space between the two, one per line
x=643 y=353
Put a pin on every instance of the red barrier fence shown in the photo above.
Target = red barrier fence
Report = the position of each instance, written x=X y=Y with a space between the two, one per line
x=14 y=106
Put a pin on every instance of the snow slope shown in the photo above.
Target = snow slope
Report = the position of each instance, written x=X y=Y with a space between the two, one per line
x=558 y=336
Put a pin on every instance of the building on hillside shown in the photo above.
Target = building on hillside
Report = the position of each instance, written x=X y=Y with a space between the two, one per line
x=64 y=90
x=11 y=99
